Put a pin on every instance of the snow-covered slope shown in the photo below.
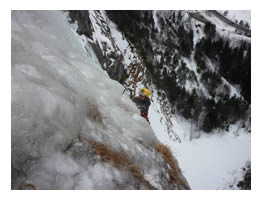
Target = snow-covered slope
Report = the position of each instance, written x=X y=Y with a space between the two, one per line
x=238 y=15
x=211 y=162
x=71 y=126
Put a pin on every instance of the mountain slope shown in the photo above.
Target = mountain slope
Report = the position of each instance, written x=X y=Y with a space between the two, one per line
x=196 y=68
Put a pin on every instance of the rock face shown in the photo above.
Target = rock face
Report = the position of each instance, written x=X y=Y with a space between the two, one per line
x=110 y=59
x=84 y=22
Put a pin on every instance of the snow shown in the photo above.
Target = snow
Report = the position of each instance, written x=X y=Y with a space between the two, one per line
x=211 y=161
x=244 y=15
x=100 y=32
x=155 y=18
x=155 y=116
x=235 y=177
x=233 y=90
x=226 y=30
x=198 y=33
x=189 y=86
x=219 y=23
x=121 y=43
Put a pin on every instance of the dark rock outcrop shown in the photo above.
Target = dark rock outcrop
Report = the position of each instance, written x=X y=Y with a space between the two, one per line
x=84 y=22
x=245 y=184
x=111 y=62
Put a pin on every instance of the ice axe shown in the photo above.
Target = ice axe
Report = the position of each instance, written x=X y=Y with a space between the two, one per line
x=130 y=91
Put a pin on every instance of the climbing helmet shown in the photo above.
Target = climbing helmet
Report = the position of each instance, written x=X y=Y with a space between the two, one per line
x=145 y=92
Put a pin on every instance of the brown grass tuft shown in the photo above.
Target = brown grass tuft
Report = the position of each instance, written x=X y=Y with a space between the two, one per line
x=175 y=171
x=94 y=112
x=117 y=159
x=28 y=186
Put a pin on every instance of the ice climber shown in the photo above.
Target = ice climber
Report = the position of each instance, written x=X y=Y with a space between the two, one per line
x=143 y=102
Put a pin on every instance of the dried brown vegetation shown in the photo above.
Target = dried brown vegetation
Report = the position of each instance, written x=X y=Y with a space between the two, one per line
x=117 y=159
x=174 y=172
x=28 y=186
x=94 y=113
